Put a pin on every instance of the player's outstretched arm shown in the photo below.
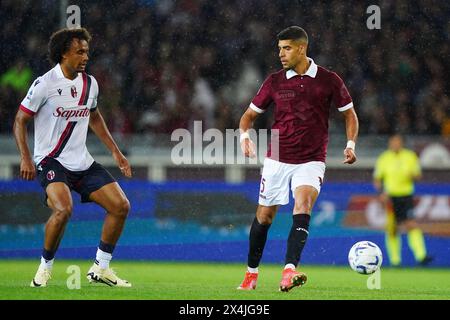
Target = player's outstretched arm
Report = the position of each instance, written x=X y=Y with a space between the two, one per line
x=98 y=125
x=246 y=123
x=351 y=128
x=27 y=168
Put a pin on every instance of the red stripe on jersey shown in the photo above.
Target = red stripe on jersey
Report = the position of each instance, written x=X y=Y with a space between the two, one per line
x=61 y=140
x=83 y=93
x=26 y=110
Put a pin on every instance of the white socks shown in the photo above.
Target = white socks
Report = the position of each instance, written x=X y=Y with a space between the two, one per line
x=289 y=266
x=255 y=270
x=103 y=258
x=46 y=264
x=252 y=270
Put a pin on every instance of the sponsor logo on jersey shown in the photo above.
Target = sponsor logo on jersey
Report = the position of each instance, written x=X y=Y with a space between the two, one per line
x=71 y=113
x=286 y=94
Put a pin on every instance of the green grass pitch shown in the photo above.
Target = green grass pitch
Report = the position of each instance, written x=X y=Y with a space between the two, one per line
x=216 y=281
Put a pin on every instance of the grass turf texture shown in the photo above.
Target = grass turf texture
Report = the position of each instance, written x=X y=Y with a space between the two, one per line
x=214 y=281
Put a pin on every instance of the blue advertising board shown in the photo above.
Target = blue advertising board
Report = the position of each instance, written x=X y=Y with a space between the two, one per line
x=197 y=221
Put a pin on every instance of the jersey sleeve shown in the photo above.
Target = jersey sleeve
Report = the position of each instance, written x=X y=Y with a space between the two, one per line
x=94 y=94
x=341 y=97
x=35 y=98
x=416 y=169
x=263 y=97
x=378 y=173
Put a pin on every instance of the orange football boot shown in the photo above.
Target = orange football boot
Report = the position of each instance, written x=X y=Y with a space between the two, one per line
x=291 y=278
x=249 y=282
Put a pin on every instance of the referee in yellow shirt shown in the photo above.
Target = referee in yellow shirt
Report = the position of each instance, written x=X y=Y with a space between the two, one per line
x=396 y=170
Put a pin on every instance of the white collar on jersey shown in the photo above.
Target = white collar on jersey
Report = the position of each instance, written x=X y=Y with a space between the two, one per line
x=59 y=71
x=312 y=70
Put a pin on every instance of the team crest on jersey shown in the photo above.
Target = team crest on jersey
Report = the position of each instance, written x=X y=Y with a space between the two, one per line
x=73 y=91
x=51 y=175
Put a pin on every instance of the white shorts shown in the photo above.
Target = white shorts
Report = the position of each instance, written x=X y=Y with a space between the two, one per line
x=276 y=177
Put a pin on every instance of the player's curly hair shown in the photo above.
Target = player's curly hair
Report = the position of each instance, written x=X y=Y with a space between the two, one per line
x=61 y=40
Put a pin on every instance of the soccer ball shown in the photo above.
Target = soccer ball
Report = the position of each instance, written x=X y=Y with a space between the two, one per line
x=365 y=257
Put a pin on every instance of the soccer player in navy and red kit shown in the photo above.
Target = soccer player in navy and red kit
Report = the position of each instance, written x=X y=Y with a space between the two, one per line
x=302 y=93
x=63 y=104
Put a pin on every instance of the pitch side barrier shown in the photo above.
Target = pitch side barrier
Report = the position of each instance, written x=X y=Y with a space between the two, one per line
x=209 y=221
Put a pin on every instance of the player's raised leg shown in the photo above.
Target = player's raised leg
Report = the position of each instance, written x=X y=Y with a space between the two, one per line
x=60 y=201
x=257 y=241
x=112 y=198
x=305 y=197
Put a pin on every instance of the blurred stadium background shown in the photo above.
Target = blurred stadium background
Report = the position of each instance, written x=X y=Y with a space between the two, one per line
x=162 y=64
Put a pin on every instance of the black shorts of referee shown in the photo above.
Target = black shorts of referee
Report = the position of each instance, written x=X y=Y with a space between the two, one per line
x=403 y=208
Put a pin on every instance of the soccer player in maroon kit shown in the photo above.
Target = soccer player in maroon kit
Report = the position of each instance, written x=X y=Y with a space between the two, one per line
x=302 y=93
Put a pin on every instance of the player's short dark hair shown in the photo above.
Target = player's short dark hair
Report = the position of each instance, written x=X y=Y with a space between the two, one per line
x=396 y=135
x=61 y=40
x=293 y=33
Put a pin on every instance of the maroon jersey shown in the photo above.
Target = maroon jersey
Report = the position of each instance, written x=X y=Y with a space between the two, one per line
x=302 y=108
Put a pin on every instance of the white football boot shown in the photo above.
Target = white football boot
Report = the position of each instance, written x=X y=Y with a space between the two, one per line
x=106 y=276
x=41 y=278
